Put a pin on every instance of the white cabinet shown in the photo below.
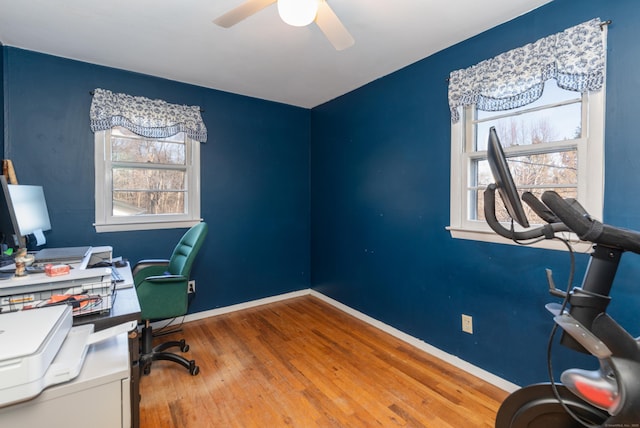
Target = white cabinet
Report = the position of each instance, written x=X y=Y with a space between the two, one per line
x=98 y=397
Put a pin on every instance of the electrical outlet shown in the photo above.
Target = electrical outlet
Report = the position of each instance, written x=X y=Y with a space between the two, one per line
x=192 y=286
x=467 y=324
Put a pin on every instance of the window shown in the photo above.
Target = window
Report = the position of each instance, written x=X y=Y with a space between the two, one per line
x=147 y=162
x=554 y=143
x=146 y=182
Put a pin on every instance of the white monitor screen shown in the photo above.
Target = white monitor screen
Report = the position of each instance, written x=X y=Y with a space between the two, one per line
x=30 y=208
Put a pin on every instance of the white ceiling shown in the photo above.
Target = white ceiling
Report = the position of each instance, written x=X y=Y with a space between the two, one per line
x=261 y=56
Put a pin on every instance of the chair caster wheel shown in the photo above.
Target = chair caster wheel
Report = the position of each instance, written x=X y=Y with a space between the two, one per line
x=183 y=346
x=193 y=369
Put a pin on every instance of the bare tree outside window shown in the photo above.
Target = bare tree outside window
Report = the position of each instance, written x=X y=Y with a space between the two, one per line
x=149 y=175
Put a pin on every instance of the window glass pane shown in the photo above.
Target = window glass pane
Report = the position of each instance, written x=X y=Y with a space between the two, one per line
x=147 y=151
x=148 y=191
x=557 y=171
x=540 y=122
x=543 y=126
x=134 y=203
x=536 y=170
x=148 y=179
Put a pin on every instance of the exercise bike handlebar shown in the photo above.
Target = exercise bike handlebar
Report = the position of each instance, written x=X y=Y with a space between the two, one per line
x=546 y=231
x=570 y=218
x=589 y=229
x=539 y=208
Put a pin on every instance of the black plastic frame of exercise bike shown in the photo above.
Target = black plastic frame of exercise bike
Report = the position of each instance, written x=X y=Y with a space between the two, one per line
x=537 y=405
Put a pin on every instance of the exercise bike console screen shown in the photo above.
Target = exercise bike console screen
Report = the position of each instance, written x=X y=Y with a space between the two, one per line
x=504 y=180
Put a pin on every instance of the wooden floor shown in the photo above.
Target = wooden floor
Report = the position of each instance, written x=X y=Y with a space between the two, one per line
x=303 y=363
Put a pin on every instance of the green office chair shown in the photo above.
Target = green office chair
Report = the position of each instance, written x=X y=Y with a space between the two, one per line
x=162 y=288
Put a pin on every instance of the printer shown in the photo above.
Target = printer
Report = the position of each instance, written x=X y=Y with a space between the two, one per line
x=40 y=348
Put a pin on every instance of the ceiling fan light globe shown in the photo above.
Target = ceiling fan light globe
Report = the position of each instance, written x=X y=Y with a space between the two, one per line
x=298 y=13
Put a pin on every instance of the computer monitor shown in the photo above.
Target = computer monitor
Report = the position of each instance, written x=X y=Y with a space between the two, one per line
x=9 y=232
x=504 y=180
x=30 y=210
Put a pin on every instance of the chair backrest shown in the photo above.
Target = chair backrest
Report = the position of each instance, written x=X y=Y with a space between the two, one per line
x=186 y=250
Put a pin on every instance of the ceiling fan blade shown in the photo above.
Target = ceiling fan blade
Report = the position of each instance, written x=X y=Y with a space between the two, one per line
x=332 y=28
x=241 y=12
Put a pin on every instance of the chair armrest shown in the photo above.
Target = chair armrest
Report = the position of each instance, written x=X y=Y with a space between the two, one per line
x=149 y=267
x=143 y=264
x=165 y=278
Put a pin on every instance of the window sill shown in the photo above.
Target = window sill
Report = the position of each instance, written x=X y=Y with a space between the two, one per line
x=124 y=227
x=492 y=237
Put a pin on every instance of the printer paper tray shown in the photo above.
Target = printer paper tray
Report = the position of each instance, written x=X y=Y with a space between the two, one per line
x=67 y=363
x=64 y=367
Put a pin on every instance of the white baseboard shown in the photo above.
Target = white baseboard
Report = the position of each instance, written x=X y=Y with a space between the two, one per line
x=448 y=358
x=245 y=305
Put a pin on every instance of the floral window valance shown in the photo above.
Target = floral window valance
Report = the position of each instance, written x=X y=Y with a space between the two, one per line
x=146 y=117
x=574 y=57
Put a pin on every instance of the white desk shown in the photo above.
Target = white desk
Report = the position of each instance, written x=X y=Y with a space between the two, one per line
x=99 y=397
x=125 y=308
x=127 y=275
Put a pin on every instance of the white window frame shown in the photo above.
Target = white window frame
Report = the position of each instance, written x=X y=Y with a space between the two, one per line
x=106 y=222
x=590 y=173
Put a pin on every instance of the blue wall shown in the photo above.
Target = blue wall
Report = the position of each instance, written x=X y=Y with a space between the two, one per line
x=380 y=160
x=254 y=172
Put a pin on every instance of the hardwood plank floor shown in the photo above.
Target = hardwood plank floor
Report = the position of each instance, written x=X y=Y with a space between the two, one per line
x=303 y=363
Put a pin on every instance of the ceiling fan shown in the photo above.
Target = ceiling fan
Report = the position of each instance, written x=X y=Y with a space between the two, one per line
x=297 y=13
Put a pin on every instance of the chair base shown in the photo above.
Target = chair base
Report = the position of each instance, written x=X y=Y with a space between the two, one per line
x=148 y=354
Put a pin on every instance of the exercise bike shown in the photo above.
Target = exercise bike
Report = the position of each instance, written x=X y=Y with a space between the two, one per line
x=609 y=396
